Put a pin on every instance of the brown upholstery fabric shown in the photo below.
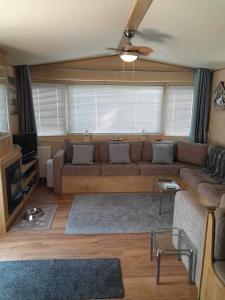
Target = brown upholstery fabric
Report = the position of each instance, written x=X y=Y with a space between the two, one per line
x=104 y=151
x=222 y=201
x=147 y=151
x=108 y=169
x=150 y=169
x=58 y=163
x=81 y=170
x=211 y=193
x=136 y=149
x=193 y=153
x=219 y=267
x=194 y=177
x=68 y=147
x=219 y=245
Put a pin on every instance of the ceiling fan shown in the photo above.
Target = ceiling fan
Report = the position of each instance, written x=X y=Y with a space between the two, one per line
x=129 y=52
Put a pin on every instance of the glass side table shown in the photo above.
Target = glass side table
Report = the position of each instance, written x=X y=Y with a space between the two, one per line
x=164 y=186
x=161 y=242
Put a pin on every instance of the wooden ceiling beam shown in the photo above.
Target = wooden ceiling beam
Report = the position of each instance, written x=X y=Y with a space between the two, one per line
x=135 y=19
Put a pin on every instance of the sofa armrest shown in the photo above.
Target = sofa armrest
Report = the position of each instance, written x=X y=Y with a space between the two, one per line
x=58 y=162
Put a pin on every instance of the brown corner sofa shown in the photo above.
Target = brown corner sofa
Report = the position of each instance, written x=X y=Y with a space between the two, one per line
x=136 y=176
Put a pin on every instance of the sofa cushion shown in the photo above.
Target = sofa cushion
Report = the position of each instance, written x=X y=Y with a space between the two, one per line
x=194 y=177
x=210 y=194
x=81 y=170
x=162 y=153
x=150 y=169
x=193 y=153
x=68 y=147
x=119 y=153
x=108 y=169
x=219 y=245
x=147 y=151
x=222 y=201
x=136 y=150
x=219 y=267
x=83 y=154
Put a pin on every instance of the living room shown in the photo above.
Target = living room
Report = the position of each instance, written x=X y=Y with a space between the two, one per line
x=112 y=150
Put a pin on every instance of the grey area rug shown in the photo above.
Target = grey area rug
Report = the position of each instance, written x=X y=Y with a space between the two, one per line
x=118 y=213
x=43 y=223
x=66 y=279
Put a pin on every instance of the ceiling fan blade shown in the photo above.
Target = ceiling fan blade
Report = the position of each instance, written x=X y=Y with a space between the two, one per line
x=113 y=49
x=143 y=50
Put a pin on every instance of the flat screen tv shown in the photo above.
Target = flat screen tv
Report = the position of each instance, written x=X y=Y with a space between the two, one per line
x=28 y=144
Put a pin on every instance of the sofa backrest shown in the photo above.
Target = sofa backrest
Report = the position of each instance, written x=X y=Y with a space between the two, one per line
x=194 y=153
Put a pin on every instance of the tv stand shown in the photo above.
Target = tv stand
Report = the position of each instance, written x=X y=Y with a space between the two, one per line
x=29 y=172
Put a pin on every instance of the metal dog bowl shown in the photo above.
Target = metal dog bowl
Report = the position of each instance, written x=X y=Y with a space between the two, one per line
x=33 y=214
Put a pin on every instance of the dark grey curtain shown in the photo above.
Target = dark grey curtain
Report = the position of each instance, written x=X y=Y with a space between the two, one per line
x=25 y=101
x=201 y=105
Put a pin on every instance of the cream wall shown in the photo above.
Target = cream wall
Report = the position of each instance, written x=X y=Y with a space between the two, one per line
x=217 y=118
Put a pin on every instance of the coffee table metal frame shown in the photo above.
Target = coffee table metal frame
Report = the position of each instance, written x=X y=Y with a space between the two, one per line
x=157 y=186
x=183 y=248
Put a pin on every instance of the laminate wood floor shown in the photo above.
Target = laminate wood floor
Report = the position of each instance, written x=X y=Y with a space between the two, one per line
x=132 y=249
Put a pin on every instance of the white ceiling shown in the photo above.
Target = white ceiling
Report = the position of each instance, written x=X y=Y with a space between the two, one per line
x=190 y=33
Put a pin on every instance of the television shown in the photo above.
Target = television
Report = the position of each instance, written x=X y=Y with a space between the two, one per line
x=28 y=144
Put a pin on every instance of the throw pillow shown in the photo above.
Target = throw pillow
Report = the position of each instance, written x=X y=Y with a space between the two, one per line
x=162 y=153
x=83 y=154
x=119 y=153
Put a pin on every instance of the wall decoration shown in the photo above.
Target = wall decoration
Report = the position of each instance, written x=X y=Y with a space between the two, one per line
x=219 y=100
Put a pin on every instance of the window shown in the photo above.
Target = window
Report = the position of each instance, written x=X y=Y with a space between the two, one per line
x=49 y=108
x=3 y=109
x=112 y=109
x=115 y=109
x=178 y=110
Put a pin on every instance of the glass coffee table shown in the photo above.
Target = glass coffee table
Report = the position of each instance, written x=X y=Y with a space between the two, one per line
x=164 y=186
x=163 y=241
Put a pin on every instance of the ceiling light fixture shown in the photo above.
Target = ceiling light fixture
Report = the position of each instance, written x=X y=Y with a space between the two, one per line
x=128 y=56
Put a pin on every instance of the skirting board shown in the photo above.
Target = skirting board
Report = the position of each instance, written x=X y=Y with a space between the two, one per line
x=110 y=184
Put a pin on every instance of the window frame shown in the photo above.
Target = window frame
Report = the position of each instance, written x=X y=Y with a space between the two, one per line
x=164 y=106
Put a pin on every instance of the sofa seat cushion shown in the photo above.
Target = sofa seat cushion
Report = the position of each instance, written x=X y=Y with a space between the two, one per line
x=210 y=194
x=219 y=240
x=130 y=169
x=81 y=170
x=194 y=177
x=150 y=169
x=219 y=267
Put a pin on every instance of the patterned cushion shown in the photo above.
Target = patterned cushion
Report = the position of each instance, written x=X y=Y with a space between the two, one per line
x=119 y=153
x=68 y=147
x=193 y=153
x=83 y=154
x=162 y=153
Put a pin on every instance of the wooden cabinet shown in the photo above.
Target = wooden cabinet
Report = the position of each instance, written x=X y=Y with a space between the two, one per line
x=29 y=180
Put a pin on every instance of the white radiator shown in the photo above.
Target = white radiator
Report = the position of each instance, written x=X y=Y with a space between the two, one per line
x=44 y=154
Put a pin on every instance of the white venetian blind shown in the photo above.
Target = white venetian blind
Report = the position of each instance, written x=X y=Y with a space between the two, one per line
x=114 y=109
x=3 y=109
x=178 y=110
x=49 y=108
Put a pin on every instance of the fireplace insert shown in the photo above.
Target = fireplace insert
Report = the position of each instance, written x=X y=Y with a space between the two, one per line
x=14 y=186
